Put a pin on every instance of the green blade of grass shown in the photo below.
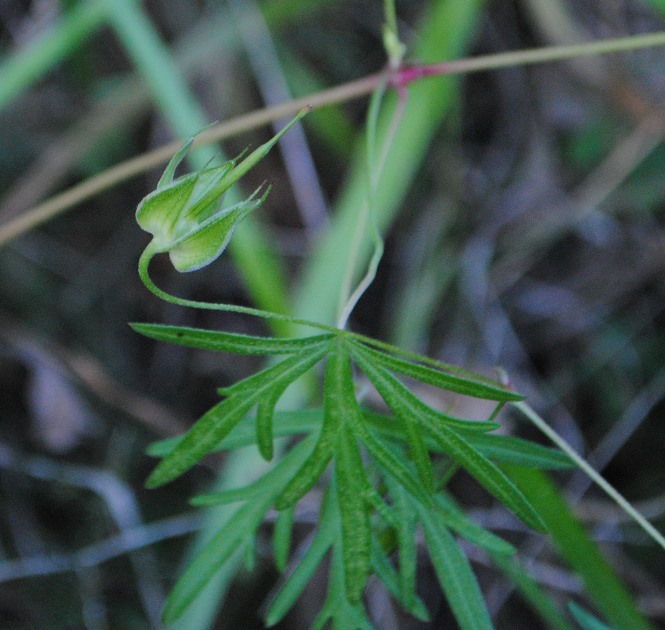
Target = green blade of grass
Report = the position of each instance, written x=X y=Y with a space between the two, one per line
x=532 y=593
x=444 y=34
x=329 y=124
x=586 y=620
x=22 y=69
x=601 y=583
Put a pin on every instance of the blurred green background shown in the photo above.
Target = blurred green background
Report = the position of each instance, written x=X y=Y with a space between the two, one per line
x=523 y=212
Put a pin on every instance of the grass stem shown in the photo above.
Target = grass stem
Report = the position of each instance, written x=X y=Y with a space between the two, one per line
x=339 y=94
x=593 y=475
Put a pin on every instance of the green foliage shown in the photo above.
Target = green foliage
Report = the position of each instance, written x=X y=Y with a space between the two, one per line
x=381 y=476
x=586 y=620
x=605 y=589
x=386 y=478
x=384 y=483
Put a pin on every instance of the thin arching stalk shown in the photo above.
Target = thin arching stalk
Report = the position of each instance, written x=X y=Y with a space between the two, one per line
x=592 y=474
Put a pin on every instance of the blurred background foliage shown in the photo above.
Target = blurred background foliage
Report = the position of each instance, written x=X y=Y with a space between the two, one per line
x=524 y=226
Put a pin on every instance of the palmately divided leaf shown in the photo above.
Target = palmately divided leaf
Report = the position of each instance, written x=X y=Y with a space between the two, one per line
x=391 y=463
x=217 y=423
x=278 y=379
x=390 y=578
x=344 y=613
x=286 y=371
x=406 y=541
x=303 y=572
x=374 y=499
x=350 y=477
x=264 y=416
x=282 y=535
x=266 y=409
x=310 y=472
x=498 y=448
x=225 y=497
x=419 y=452
x=285 y=423
x=437 y=378
x=221 y=341
x=490 y=476
x=212 y=427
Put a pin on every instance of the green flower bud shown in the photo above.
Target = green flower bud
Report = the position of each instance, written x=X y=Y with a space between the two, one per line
x=185 y=216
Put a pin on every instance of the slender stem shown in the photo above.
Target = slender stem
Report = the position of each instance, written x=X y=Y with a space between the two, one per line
x=144 y=263
x=390 y=14
x=150 y=251
x=530 y=56
x=348 y=299
x=131 y=168
x=374 y=169
x=342 y=93
x=597 y=478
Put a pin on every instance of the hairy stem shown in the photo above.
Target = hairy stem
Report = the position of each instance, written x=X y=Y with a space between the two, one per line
x=149 y=253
